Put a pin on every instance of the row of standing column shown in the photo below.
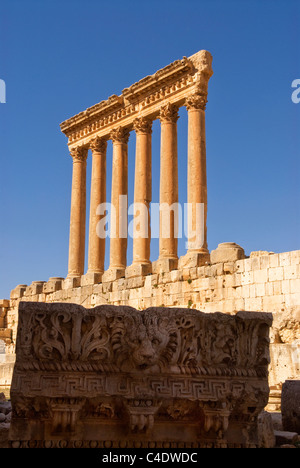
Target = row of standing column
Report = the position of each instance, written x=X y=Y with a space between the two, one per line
x=197 y=194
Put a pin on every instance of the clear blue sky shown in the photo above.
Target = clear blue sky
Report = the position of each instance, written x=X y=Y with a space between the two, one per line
x=60 y=57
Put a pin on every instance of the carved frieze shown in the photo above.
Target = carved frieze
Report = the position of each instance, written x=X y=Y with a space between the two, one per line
x=170 y=84
x=137 y=369
x=156 y=340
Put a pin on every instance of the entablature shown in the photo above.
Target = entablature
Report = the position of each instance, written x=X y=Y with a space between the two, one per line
x=172 y=84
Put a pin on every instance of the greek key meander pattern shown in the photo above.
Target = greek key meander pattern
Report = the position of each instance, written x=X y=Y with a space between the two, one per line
x=73 y=385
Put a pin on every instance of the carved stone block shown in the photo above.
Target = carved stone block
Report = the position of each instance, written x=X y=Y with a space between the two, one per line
x=36 y=287
x=140 y=269
x=227 y=252
x=53 y=284
x=290 y=405
x=164 y=265
x=118 y=376
x=18 y=291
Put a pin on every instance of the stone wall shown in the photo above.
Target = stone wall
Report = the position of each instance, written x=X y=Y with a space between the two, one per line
x=264 y=282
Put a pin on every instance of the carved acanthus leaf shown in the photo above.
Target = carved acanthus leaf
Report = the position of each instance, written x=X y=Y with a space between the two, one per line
x=142 y=125
x=79 y=154
x=196 y=101
x=150 y=341
x=169 y=113
x=120 y=135
x=98 y=145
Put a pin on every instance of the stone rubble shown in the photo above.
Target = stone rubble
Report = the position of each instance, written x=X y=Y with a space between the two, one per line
x=5 y=419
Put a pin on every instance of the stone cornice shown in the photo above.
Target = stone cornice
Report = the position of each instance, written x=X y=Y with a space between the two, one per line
x=143 y=99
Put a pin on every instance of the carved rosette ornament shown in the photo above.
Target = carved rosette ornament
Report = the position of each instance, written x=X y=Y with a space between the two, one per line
x=196 y=102
x=142 y=125
x=169 y=113
x=120 y=135
x=98 y=145
x=79 y=154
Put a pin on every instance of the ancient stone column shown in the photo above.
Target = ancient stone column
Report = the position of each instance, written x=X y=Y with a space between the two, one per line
x=119 y=204
x=197 y=253
x=96 y=252
x=78 y=213
x=141 y=264
x=168 y=229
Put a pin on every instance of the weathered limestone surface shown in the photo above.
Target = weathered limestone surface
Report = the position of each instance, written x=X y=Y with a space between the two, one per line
x=118 y=235
x=121 y=376
x=5 y=418
x=98 y=196
x=266 y=430
x=78 y=207
x=290 y=405
x=142 y=197
x=227 y=252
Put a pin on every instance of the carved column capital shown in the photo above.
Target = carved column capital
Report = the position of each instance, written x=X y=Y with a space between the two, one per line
x=196 y=101
x=98 y=144
x=169 y=113
x=120 y=135
x=79 y=154
x=142 y=125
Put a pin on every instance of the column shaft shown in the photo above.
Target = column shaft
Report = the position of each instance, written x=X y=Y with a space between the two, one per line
x=168 y=183
x=119 y=202
x=98 y=196
x=168 y=190
x=142 y=192
x=197 y=253
x=141 y=264
x=197 y=182
x=78 y=213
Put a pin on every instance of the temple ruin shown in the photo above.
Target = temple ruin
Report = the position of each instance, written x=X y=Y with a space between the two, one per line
x=183 y=83
x=223 y=280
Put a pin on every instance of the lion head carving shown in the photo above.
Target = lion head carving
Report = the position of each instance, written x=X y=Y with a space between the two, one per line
x=143 y=341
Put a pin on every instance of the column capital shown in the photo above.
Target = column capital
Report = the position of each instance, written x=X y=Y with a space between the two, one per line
x=169 y=113
x=120 y=135
x=196 y=101
x=98 y=144
x=142 y=125
x=79 y=154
